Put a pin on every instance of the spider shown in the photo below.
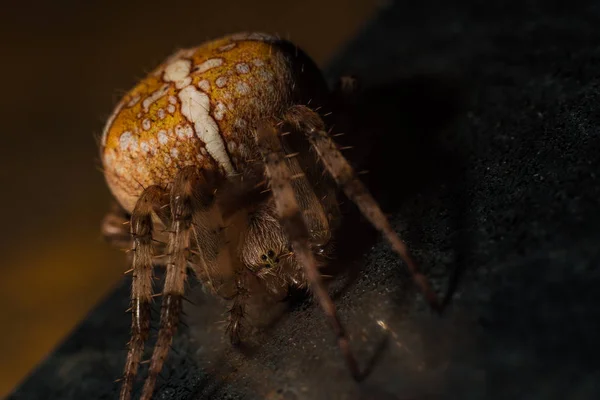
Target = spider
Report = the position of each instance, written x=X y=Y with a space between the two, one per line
x=222 y=163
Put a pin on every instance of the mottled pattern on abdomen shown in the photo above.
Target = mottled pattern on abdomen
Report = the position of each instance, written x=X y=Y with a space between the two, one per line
x=197 y=108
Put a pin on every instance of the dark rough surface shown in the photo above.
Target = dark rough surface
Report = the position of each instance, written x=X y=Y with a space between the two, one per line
x=488 y=160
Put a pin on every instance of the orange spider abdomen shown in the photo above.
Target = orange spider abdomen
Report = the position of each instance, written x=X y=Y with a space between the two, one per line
x=199 y=108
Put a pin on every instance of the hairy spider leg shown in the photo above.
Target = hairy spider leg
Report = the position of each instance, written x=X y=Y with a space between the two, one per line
x=308 y=121
x=279 y=176
x=142 y=228
x=116 y=228
x=185 y=200
x=237 y=311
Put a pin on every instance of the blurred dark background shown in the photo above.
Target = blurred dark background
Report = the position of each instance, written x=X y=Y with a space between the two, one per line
x=64 y=66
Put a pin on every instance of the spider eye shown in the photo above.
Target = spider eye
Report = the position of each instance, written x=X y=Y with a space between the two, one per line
x=263 y=257
x=270 y=253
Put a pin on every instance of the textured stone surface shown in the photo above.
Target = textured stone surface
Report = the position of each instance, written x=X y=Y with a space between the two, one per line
x=484 y=146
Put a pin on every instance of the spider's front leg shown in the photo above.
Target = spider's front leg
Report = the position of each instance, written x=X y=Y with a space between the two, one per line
x=290 y=215
x=116 y=230
x=310 y=122
x=186 y=199
x=142 y=229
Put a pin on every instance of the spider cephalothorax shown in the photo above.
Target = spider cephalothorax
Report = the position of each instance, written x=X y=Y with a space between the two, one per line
x=211 y=157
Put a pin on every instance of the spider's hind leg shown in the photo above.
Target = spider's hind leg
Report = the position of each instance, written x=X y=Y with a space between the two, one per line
x=310 y=122
x=346 y=88
x=115 y=227
x=142 y=229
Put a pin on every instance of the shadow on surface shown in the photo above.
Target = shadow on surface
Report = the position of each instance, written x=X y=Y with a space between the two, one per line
x=398 y=133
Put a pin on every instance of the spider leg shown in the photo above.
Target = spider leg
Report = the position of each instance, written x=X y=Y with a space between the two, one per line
x=307 y=120
x=346 y=86
x=115 y=227
x=141 y=291
x=237 y=311
x=185 y=200
x=116 y=230
x=207 y=241
x=280 y=177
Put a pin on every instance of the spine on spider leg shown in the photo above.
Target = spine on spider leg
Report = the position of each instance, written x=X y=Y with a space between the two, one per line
x=186 y=200
x=141 y=289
